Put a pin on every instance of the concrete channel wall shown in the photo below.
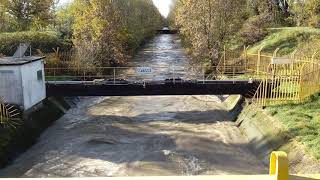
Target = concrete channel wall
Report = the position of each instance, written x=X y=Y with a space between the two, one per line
x=13 y=142
x=267 y=134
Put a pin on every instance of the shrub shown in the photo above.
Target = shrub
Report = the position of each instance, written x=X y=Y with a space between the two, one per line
x=254 y=30
x=44 y=41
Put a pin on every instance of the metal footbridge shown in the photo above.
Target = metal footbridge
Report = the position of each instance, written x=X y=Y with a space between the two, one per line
x=143 y=81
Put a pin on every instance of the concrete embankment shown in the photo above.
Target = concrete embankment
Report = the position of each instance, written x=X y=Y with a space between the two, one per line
x=134 y=136
x=266 y=134
x=15 y=140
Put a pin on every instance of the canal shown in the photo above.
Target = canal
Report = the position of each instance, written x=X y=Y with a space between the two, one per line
x=133 y=136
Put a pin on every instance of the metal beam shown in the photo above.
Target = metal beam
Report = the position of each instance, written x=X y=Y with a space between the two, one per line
x=151 y=88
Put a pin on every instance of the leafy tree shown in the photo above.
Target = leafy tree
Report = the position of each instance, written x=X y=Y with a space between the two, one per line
x=277 y=11
x=106 y=31
x=306 y=13
x=29 y=14
x=65 y=20
x=208 y=25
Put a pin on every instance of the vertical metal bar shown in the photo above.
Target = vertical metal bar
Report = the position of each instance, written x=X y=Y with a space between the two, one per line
x=245 y=58
x=174 y=75
x=301 y=95
x=224 y=59
x=259 y=62
x=234 y=74
x=1 y=113
x=54 y=76
x=114 y=75
x=204 y=72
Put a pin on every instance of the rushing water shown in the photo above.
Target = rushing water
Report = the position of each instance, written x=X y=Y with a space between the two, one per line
x=131 y=136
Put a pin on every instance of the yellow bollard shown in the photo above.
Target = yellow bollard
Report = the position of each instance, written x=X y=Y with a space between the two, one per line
x=279 y=165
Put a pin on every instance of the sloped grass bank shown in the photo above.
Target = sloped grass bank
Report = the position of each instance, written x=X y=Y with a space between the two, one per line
x=288 y=40
x=294 y=129
x=302 y=122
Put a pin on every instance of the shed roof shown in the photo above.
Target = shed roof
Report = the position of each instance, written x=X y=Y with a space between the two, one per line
x=13 y=61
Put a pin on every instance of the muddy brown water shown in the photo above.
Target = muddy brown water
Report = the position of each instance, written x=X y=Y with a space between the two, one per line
x=133 y=136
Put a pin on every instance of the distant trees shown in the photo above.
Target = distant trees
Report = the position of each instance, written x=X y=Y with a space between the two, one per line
x=23 y=15
x=306 y=13
x=208 y=25
x=287 y=12
x=64 y=21
x=105 y=32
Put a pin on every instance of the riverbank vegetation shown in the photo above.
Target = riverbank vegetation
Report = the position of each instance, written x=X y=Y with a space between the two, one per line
x=102 y=33
x=83 y=33
x=208 y=26
x=302 y=122
x=304 y=39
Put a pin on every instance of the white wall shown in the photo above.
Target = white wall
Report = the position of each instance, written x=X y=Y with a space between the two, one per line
x=11 y=84
x=34 y=90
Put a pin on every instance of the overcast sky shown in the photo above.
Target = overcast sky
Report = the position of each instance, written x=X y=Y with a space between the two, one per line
x=163 y=5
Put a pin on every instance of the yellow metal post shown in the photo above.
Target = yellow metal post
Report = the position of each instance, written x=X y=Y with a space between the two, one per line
x=279 y=165
x=224 y=59
x=275 y=53
x=259 y=60
x=246 y=57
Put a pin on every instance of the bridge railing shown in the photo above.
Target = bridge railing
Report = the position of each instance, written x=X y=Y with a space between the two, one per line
x=124 y=73
x=289 y=83
x=116 y=74
x=244 y=62
x=310 y=78
x=288 y=79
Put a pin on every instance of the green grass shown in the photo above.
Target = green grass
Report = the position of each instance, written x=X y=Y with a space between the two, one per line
x=287 y=87
x=302 y=122
x=288 y=39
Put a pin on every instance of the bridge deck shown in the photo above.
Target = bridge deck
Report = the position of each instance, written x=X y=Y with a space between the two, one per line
x=152 y=88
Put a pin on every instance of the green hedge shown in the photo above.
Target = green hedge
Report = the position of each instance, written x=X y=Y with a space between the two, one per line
x=45 y=41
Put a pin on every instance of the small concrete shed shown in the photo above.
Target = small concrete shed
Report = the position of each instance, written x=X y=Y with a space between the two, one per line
x=22 y=81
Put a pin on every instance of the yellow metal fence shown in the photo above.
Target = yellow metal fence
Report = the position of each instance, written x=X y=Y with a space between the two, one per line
x=284 y=80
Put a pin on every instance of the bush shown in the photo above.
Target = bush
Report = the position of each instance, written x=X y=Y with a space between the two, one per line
x=254 y=30
x=44 y=41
